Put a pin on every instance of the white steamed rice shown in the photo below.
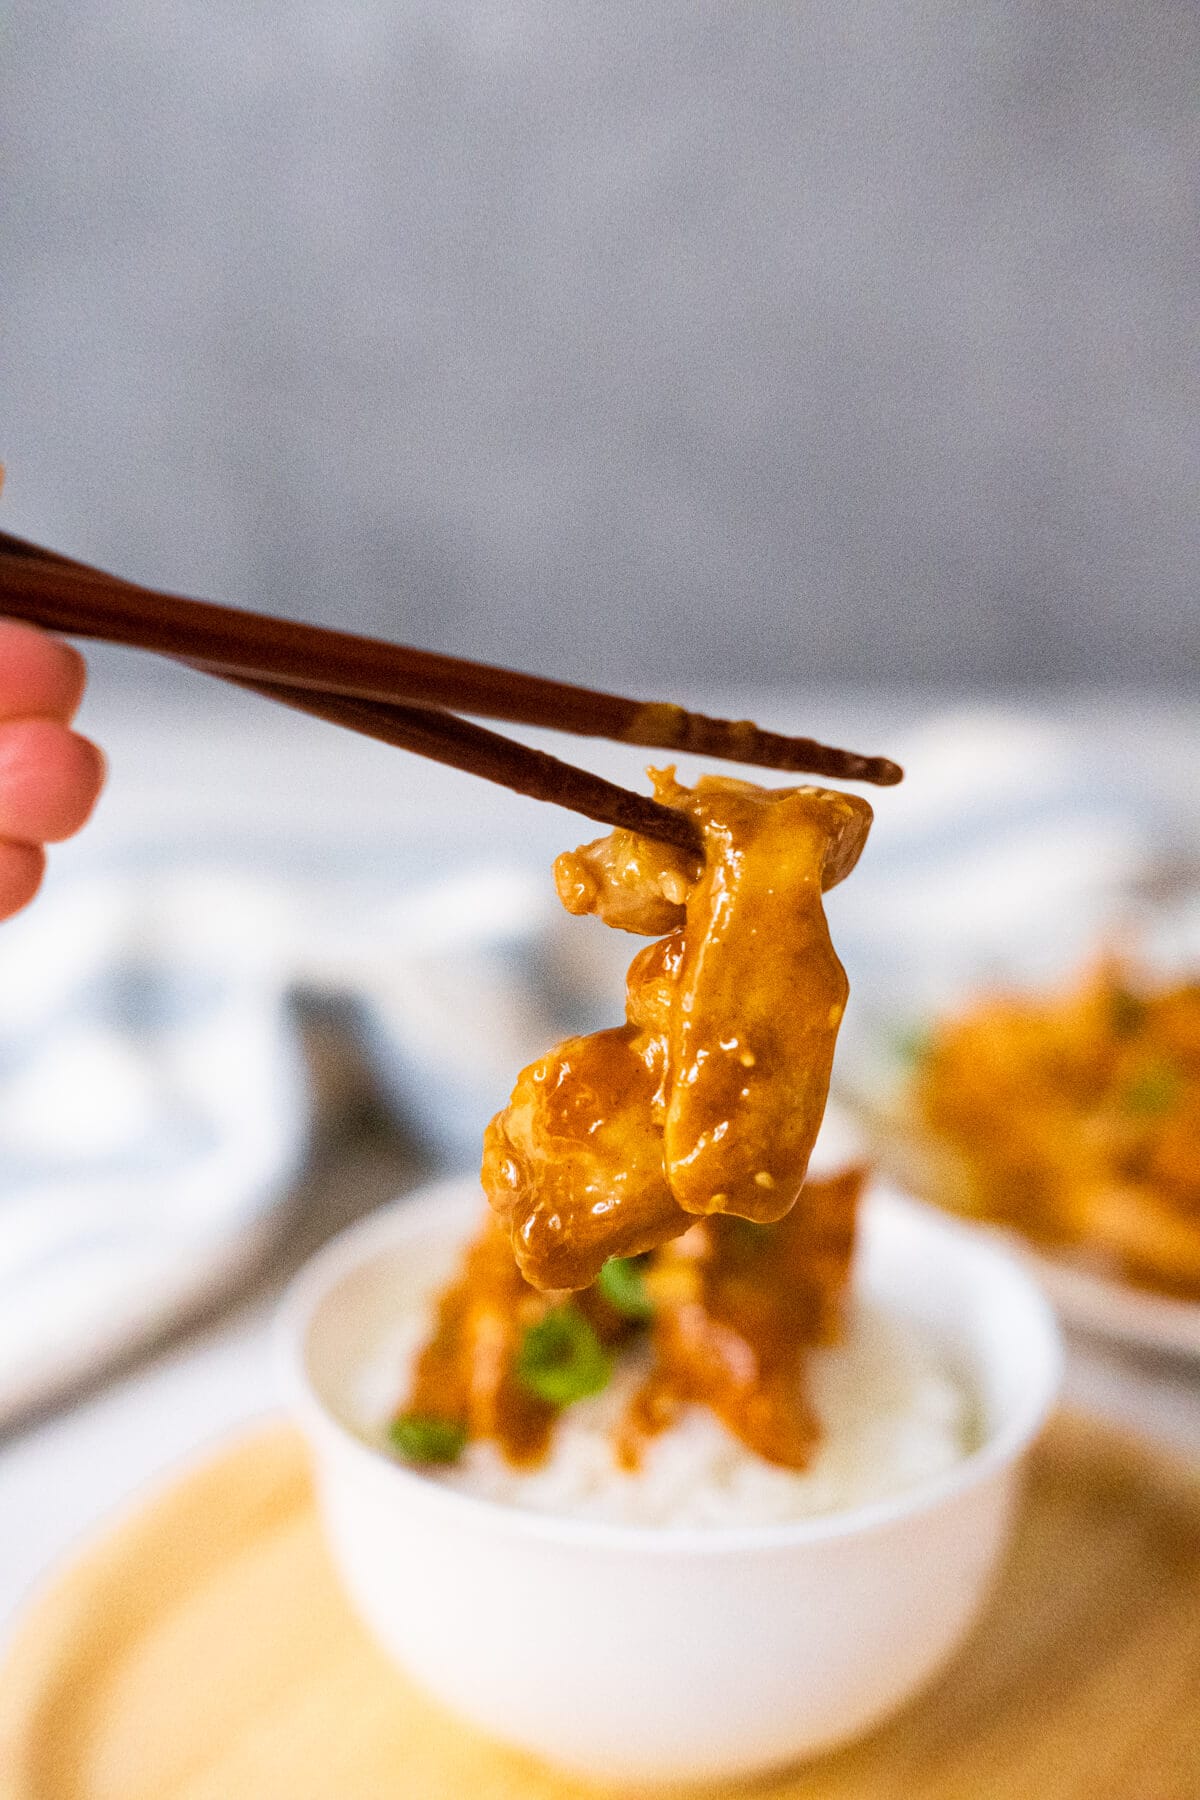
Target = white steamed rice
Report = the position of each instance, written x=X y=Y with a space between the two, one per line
x=893 y=1411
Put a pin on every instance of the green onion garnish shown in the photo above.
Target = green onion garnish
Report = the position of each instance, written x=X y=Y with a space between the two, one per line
x=1153 y=1091
x=912 y=1044
x=623 y=1285
x=561 y=1359
x=422 y=1439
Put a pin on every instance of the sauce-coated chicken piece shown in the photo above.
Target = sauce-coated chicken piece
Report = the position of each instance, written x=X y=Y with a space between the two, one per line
x=759 y=997
x=1075 y=1118
x=575 y=1162
x=709 y=1099
x=467 y=1374
x=737 y=1308
x=633 y=883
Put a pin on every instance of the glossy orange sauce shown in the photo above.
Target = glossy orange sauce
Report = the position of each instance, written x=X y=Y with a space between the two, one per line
x=709 y=1098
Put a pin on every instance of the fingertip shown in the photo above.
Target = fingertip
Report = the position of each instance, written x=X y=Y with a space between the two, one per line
x=70 y=672
x=81 y=777
x=93 y=775
x=40 y=675
x=22 y=867
x=50 y=780
x=73 y=676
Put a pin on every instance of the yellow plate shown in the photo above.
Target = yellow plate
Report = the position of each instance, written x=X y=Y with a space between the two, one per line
x=202 y=1651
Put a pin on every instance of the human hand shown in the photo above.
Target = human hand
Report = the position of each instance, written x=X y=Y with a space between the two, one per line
x=50 y=777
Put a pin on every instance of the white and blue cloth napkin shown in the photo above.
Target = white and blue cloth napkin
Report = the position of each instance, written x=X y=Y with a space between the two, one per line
x=154 y=1111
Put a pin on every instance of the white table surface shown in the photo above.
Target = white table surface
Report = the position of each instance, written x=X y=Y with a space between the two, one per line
x=64 y=1474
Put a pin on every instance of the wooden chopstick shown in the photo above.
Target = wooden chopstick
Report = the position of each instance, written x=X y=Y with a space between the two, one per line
x=442 y=737
x=74 y=598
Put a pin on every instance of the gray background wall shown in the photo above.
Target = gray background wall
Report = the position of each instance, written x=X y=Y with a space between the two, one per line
x=840 y=342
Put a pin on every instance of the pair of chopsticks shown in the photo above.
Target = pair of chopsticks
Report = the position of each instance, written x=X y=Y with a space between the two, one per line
x=409 y=698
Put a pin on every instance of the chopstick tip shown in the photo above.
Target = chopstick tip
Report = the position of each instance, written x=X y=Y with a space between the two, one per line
x=885 y=772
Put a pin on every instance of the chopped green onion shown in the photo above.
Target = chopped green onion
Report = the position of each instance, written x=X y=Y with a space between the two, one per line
x=623 y=1285
x=422 y=1439
x=1153 y=1091
x=561 y=1359
x=911 y=1045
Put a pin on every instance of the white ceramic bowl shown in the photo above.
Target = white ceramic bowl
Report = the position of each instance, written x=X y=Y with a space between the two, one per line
x=651 y=1653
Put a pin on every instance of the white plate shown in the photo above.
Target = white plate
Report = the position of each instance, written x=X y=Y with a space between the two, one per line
x=1113 y=1309
x=1100 y=1305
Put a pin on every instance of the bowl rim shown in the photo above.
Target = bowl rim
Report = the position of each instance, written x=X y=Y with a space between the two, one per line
x=386 y=1228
